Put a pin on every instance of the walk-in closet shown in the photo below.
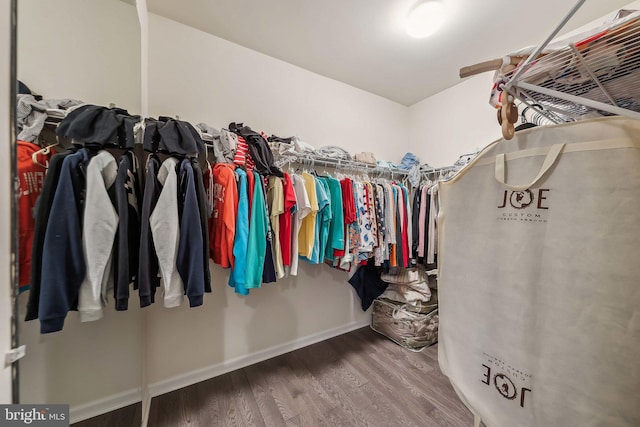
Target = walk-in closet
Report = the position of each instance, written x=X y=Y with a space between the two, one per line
x=339 y=213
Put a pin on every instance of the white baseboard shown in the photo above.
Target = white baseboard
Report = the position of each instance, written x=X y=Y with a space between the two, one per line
x=120 y=400
x=203 y=374
x=102 y=406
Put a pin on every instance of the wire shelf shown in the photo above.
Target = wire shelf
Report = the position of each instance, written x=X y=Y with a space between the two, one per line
x=597 y=75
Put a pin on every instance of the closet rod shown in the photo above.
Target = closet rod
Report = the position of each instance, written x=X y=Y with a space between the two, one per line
x=309 y=159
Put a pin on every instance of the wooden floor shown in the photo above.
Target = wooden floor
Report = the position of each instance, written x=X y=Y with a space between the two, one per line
x=356 y=379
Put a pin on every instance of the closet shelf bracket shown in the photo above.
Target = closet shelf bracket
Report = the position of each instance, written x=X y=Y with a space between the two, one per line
x=13 y=355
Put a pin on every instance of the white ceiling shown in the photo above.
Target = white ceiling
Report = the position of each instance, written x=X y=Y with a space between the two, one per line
x=362 y=42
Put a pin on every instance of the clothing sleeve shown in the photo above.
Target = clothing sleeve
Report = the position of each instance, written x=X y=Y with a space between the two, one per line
x=98 y=233
x=421 y=219
x=121 y=255
x=229 y=216
x=189 y=259
x=201 y=193
x=60 y=285
x=148 y=260
x=237 y=276
x=337 y=220
x=165 y=228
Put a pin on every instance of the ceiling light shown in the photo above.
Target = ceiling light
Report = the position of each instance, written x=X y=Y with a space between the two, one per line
x=425 y=19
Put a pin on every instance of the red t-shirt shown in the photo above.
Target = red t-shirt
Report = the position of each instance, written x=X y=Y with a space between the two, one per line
x=31 y=177
x=348 y=210
x=285 y=219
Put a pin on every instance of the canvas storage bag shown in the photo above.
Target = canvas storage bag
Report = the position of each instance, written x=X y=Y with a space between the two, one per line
x=539 y=280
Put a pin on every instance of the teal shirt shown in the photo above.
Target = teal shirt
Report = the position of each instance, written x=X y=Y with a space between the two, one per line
x=325 y=207
x=257 y=245
x=237 y=279
x=336 y=227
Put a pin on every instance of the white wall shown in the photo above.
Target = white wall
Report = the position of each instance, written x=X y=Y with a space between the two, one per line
x=453 y=122
x=89 y=50
x=5 y=196
x=205 y=78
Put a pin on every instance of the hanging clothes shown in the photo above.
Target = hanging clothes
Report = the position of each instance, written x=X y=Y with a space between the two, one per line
x=127 y=197
x=165 y=228
x=204 y=214
x=303 y=208
x=275 y=202
x=190 y=260
x=42 y=212
x=60 y=286
x=432 y=247
x=237 y=278
x=223 y=219
x=285 y=219
x=258 y=229
x=307 y=232
x=269 y=270
x=99 y=227
x=149 y=268
x=321 y=230
x=31 y=182
x=337 y=226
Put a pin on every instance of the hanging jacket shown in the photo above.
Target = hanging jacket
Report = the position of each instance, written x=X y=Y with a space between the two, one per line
x=127 y=197
x=99 y=228
x=190 y=260
x=62 y=255
x=42 y=210
x=31 y=179
x=203 y=208
x=148 y=268
x=165 y=228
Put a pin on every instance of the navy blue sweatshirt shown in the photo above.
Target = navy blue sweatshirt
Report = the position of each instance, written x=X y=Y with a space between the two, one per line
x=190 y=262
x=204 y=220
x=63 y=256
x=42 y=210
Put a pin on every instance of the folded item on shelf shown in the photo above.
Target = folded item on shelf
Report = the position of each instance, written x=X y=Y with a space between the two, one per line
x=297 y=146
x=334 y=152
x=365 y=157
x=274 y=138
x=32 y=113
x=385 y=164
x=222 y=151
x=408 y=161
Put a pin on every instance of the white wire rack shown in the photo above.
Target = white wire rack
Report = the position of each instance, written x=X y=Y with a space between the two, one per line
x=593 y=74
